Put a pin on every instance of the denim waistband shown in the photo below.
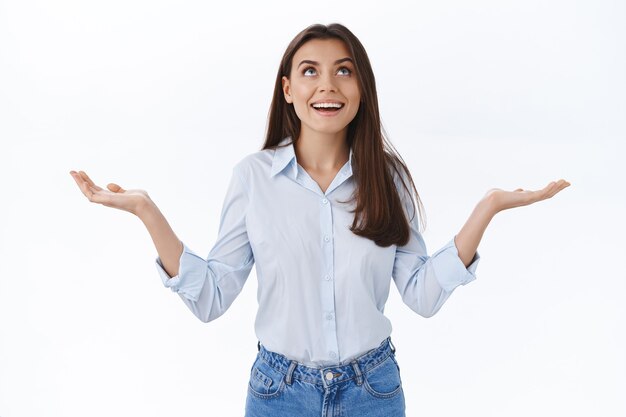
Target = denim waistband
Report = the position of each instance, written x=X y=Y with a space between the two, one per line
x=329 y=375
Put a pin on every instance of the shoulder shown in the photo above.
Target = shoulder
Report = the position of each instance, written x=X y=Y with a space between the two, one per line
x=399 y=174
x=403 y=182
x=255 y=164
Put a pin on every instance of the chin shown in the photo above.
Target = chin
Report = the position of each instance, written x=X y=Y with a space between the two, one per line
x=330 y=130
x=330 y=126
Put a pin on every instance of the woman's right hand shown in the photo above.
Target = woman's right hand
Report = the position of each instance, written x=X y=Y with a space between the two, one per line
x=117 y=197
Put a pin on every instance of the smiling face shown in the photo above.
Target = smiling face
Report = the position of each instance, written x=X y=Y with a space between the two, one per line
x=322 y=71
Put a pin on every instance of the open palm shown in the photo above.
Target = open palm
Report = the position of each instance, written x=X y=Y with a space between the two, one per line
x=114 y=196
x=503 y=200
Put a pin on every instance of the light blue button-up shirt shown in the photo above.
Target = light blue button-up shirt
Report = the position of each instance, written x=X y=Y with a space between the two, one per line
x=321 y=288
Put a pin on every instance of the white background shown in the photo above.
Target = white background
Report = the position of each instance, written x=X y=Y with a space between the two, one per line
x=167 y=96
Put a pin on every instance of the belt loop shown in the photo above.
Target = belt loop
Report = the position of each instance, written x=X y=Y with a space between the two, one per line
x=292 y=366
x=393 y=348
x=357 y=370
x=258 y=345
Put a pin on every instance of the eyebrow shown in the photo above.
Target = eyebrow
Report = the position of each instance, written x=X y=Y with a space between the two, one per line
x=339 y=61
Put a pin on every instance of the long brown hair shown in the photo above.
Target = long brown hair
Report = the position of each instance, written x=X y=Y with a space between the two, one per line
x=379 y=213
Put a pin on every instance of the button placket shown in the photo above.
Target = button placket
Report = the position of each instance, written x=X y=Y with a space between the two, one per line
x=327 y=283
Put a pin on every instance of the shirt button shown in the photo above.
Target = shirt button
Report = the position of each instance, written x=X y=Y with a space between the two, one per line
x=326 y=238
x=332 y=355
x=329 y=316
x=327 y=277
x=329 y=375
x=324 y=201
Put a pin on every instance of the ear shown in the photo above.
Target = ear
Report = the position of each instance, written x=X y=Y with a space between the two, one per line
x=287 y=89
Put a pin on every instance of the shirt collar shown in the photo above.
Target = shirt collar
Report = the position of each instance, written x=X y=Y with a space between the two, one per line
x=282 y=156
x=285 y=155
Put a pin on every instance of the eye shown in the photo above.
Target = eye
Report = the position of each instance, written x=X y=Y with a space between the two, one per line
x=347 y=69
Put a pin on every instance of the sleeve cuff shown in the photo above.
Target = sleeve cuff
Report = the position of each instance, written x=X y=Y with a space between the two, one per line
x=191 y=274
x=450 y=270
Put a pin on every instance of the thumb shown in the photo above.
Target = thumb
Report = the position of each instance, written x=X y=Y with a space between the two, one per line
x=115 y=188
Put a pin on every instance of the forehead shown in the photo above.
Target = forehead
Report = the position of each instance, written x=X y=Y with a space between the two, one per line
x=322 y=50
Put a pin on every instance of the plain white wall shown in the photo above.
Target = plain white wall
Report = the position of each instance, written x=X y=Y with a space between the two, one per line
x=167 y=96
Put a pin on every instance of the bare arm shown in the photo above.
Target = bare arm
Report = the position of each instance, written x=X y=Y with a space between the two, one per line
x=471 y=233
x=168 y=246
x=493 y=202
x=137 y=202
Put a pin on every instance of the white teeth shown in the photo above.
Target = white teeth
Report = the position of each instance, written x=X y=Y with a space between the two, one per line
x=327 y=105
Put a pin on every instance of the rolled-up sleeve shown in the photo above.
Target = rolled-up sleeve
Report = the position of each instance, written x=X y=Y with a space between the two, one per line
x=449 y=268
x=425 y=282
x=191 y=276
x=209 y=286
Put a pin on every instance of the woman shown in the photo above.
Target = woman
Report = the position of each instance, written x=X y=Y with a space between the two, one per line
x=327 y=211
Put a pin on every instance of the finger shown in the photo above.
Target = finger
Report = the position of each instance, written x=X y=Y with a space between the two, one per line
x=84 y=176
x=538 y=195
x=563 y=184
x=547 y=190
x=93 y=194
x=556 y=187
x=87 y=190
x=77 y=178
x=115 y=188
x=82 y=184
x=560 y=186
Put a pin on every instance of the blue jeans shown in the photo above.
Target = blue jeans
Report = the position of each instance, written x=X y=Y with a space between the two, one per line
x=370 y=386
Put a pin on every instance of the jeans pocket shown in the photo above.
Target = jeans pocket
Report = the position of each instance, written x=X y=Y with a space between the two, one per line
x=265 y=381
x=383 y=381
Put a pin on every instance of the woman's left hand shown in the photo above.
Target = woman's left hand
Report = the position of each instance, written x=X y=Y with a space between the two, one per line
x=502 y=200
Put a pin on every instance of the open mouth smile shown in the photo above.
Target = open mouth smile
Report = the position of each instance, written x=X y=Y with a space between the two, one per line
x=327 y=108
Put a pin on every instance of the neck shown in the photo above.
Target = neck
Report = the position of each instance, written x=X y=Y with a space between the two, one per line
x=322 y=152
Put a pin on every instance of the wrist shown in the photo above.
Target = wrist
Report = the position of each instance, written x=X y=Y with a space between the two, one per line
x=489 y=205
x=145 y=208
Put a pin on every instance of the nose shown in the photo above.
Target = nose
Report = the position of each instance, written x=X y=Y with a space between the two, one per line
x=327 y=82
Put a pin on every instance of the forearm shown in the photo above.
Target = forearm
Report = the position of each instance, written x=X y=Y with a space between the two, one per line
x=167 y=244
x=471 y=233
